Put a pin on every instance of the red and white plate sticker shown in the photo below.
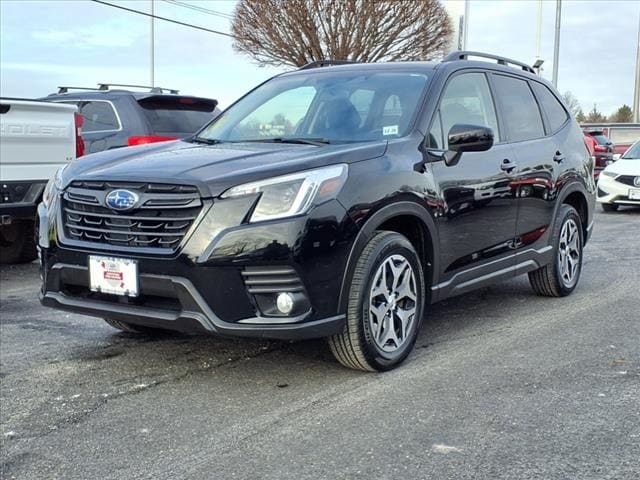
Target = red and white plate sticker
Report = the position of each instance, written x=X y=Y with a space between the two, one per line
x=117 y=276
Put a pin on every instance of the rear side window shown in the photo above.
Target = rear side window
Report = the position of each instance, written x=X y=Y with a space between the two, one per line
x=600 y=138
x=520 y=111
x=177 y=115
x=467 y=99
x=556 y=113
x=98 y=116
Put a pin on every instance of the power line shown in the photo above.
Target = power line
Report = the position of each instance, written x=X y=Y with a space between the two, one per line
x=164 y=18
x=200 y=9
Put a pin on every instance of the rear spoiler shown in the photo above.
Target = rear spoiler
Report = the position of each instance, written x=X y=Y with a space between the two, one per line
x=178 y=102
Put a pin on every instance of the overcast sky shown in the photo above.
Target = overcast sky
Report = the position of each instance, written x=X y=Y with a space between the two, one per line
x=77 y=42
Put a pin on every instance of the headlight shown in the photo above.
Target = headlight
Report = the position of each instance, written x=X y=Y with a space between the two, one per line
x=293 y=194
x=609 y=174
x=54 y=185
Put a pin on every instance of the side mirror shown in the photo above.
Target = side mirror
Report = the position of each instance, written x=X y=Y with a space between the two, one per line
x=467 y=138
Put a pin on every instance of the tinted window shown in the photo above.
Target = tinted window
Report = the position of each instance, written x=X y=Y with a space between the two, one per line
x=553 y=108
x=519 y=108
x=600 y=138
x=467 y=99
x=98 y=116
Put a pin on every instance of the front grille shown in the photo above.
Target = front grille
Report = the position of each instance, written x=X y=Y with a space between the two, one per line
x=271 y=280
x=626 y=179
x=160 y=220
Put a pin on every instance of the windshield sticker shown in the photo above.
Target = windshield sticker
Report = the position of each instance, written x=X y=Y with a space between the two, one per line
x=390 y=130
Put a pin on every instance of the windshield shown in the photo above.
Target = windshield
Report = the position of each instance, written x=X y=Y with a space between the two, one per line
x=326 y=106
x=633 y=152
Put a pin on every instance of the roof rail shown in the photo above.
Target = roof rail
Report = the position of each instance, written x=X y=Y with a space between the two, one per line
x=65 y=89
x=465 y=54
x=326 y=63
x=107 y=86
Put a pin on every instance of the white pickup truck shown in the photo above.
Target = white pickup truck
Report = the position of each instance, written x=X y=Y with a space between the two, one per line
x=36 y=138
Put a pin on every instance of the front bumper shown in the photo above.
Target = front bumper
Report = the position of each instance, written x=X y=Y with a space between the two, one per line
x=612 y=191
x=207 y=289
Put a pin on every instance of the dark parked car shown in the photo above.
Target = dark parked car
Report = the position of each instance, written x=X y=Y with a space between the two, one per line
x=330 y=202
x=115 y=117
x=603 y=150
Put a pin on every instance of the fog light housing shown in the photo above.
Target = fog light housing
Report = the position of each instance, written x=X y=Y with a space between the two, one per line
x=285 y=303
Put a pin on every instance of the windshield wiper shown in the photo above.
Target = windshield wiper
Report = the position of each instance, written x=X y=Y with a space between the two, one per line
x=206 y=141
x=318 y=142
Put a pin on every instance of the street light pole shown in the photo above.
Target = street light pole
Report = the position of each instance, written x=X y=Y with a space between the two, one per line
x=465 y=26
x=636 y=91
x=153 y=60
x=556 y=44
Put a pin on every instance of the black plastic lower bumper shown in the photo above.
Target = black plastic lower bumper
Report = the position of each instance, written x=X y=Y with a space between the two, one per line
x=188 y=312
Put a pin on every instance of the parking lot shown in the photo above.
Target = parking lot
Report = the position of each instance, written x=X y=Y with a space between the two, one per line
x=504 y=384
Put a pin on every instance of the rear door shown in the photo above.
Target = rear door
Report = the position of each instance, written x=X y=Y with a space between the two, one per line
x=478 y=222
x=537 y=151
x=175 y=115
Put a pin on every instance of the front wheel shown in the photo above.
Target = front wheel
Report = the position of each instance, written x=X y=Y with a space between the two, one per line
x=385 y=307
x=560 y=277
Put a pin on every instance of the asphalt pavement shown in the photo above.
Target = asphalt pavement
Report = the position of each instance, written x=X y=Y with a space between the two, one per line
x=502 y=385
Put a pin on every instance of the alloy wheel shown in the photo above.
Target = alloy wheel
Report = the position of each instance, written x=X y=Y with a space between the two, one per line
x=392 y=303
x=569 y=252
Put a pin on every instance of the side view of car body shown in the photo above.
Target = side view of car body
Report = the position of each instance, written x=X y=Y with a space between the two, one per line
x=386 y=188
x=119 y=117
x=619 y=183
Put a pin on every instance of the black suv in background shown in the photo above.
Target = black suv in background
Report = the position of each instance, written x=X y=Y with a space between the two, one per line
x=334 y=201
x=115 y=117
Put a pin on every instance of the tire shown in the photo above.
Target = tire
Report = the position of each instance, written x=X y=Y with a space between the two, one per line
x=609 y=207
x=137 y=329
x=369 y=341
x=558 y=279
x=18 y=242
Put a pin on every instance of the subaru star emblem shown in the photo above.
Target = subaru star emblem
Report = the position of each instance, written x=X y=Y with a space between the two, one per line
x=121 y=200
x=636 y=181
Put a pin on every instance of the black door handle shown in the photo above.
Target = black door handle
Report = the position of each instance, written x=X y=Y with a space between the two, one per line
x=558 y=157
x=507 y=165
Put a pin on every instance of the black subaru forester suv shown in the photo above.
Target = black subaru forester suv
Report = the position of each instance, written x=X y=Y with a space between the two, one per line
x=334 y=201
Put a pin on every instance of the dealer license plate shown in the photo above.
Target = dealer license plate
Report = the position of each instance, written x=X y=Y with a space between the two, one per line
x=634 y=194
x=117 y=276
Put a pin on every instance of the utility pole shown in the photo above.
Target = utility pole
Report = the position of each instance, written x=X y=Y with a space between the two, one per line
x=539 y=30
x=636 y=91
x=556 y=44
x=153 y=59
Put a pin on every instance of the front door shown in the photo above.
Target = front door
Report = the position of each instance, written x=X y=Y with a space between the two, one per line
x=477 y=220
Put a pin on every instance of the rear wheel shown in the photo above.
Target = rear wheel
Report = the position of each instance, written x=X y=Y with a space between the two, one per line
x=560 y=277
x=17 y=242
x=609 y=207
x=130 y=328
x=385 y=306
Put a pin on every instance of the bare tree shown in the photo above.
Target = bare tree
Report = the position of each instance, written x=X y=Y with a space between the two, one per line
x=296 y=32
x=572 y=102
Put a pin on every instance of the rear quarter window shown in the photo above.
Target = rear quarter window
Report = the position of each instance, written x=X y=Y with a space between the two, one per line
x=98 y=115
x=556 y=114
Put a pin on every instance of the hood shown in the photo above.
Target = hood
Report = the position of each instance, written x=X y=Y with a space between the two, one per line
x=213 y=168
x=625 y=167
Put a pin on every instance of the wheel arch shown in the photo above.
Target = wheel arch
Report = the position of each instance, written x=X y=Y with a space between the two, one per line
x=409 y=219
x=575 y=194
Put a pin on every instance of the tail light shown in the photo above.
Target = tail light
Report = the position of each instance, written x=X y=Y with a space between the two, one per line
x=600 y=148
x=78 y=121
x=144 y=139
